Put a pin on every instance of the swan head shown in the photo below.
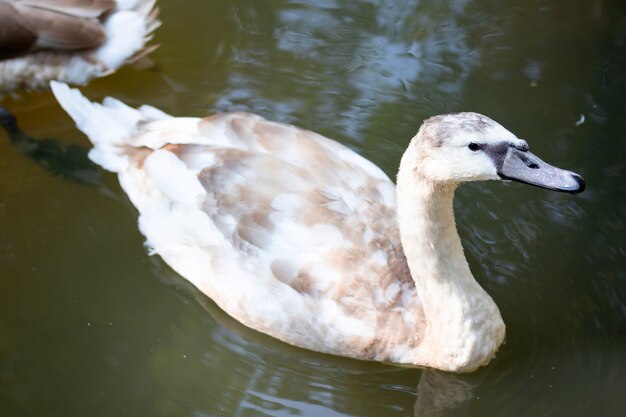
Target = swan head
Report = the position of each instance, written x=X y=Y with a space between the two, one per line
x=463 y=147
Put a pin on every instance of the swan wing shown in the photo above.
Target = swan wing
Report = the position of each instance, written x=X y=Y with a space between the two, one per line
x=291 y=233
x=78 y=8
x=63 y=25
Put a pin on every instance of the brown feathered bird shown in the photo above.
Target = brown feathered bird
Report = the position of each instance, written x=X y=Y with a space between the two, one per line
x=70 y=40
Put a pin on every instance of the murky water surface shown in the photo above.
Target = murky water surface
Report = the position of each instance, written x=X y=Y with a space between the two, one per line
x=90 y=325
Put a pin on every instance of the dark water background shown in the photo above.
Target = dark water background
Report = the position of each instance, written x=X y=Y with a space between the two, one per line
x=90 y=325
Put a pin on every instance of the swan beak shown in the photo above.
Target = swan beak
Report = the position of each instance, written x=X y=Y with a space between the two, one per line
x=523 y=166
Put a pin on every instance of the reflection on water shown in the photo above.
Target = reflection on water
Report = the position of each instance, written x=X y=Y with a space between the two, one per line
x=360 y=57
x=441 y=394
x=66 y=160
x=91 y=325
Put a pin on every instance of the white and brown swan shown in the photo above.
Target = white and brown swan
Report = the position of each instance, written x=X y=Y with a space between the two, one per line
x=299 y=237
x=70 y=40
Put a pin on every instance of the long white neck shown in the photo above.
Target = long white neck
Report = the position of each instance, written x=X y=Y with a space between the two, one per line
x=464 y=327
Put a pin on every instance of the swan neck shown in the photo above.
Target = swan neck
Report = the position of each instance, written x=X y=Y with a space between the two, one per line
x=463 y=325
x=429 y=235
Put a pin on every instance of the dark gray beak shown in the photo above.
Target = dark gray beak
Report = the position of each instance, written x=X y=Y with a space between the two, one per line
x=518 y=164
x=514 y=162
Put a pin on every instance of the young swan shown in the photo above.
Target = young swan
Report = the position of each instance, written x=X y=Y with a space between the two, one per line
x=298 y=237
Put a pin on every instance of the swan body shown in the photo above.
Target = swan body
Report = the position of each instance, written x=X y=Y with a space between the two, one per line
x=70 y=40
x=299 y=237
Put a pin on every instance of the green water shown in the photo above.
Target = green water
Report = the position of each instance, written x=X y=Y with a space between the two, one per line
x=91 y=325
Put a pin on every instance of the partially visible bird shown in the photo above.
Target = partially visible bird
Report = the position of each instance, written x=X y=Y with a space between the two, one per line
x=70 y=40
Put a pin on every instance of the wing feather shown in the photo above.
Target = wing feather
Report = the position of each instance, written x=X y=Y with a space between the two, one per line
x=15 y=34
x=78 y=8
x=57 y=30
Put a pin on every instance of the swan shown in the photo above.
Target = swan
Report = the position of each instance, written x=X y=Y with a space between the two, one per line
x=70 y=40
x=299 y=237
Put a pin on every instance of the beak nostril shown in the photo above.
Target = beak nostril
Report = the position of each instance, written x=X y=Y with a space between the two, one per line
x=528 y=161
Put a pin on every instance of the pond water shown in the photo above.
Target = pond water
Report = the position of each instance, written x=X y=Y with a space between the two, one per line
x=91 y=325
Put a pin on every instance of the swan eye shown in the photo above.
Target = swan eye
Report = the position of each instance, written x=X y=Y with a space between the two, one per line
x=473 y=146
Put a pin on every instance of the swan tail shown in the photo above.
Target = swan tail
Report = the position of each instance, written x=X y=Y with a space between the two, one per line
x=110 y=126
